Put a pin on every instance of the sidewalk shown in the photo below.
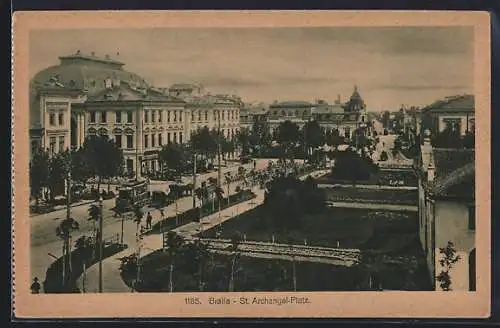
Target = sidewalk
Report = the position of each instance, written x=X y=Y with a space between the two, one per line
x=112 y=281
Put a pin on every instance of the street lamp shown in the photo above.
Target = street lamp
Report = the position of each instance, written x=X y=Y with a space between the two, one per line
x=101 y=219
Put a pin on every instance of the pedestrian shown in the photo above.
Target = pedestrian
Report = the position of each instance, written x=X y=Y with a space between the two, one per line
x=162 y=213
x=35 y=286
x=149 y=219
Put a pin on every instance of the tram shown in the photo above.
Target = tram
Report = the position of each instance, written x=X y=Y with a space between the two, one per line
x=132 y=194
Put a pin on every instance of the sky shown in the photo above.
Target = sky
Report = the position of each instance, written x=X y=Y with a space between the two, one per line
x=391 y=66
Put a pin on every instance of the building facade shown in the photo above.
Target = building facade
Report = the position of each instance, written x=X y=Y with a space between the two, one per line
x=446 y=184
x=455 y=113
x=88 y=95
x=347 y=118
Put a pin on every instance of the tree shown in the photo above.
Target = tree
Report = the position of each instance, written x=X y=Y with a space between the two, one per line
x=197 y=260
x=85 y=247
x=173 y=156
x=39 y=175
x=288 y=135
x=227 y=148
x=80 y=171
x=351 y=166
x=173 y=243
x=58 y=170
x=447 y=261
x=243 y=140
x=94 y=213
x=313 y=135
x=104 y=158
x=228 y=179
x=235 y=242
x=386 y=116
x=63 y=231
x=333 y=138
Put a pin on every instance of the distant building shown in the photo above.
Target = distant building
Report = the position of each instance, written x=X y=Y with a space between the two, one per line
x=457 y=113
x=345 y=117
x=251 y=113
x=447 y=210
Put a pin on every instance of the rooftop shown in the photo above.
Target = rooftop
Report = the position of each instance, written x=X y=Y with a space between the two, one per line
x=455 y=173
x=453 y=103
x=291 y=104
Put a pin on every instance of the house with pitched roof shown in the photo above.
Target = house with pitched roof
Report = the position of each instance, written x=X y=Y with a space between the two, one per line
x=446 y=188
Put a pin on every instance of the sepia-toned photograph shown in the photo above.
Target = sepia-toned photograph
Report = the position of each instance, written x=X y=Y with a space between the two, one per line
x=250 y=166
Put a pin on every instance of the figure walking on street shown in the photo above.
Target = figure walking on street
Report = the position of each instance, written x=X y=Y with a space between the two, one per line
x=149 y=220
x=35 y=286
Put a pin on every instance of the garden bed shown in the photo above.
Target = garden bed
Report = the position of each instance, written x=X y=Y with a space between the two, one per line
x=351 y=228
x=257 y=274
x=53 y=280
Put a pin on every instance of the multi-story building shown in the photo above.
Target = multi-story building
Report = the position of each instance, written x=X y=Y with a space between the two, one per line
x=252 y=113
x=345 y=117
x=446 y=188
x=455 y=113
x=88 y=95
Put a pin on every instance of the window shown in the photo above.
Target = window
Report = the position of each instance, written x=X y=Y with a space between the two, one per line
x=146 y=141
x=206 y=115
x=61 y=118
x=52 y=145
x=199 y=116
x=168 y=116
x=160 y=114
x=175 y=116
x=129 y=117
x=118 y=116
x=146 y=116
x=168 y=137
x=223 y=115
x=180 y=137
x=52 y=119
x=180 y=116
x=192 y=116
x=215 y=115
x=130 y=141
x=160 y=140
x=175 y=137
x=118 y=140
x=472 y=217
x=103 y=117
x=153 y=116
x=61 y=144
x=153 y=140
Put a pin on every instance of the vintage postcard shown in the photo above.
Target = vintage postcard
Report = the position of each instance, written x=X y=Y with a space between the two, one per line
x=251 y=164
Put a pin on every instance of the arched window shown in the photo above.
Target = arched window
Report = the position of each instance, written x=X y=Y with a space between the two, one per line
x=91 y=132
x=103 y=132
x=472 y=270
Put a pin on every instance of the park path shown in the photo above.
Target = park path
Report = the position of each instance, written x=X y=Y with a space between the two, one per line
x=112 y=281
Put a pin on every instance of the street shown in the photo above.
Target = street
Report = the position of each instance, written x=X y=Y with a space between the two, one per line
x=44 y=240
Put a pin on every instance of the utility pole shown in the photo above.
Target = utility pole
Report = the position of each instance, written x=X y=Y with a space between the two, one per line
x=101 y=219
x=68 y=204
x=219 y=182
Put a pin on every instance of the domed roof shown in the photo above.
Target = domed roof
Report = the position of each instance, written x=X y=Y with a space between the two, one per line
x=80 y=72
x=355 y=103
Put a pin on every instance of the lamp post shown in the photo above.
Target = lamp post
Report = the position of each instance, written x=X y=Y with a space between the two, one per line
x=101 y=219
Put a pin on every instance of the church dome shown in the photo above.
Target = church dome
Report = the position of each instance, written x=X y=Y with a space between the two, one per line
x=355 y=103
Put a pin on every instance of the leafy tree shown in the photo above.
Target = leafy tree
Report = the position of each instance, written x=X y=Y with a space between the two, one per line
x=173 y=242
x=94 y=213
x=197 y=261
x=260 y=136
x=469 y=140
x=351 y=166
x=243 y=140
x=313 y=135
x=447 y=261
x=236 y=239
x=39 y=174
x=288 y=135
x=85 y=247
x=383 y=156
x=173 y=156
x=80 y=171
x=333 y=138
x=58 y=171
x=104 y=158
x=386 y=115
x=63 y=231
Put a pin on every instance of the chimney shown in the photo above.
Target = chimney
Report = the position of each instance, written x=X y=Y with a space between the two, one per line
x=338 y=99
